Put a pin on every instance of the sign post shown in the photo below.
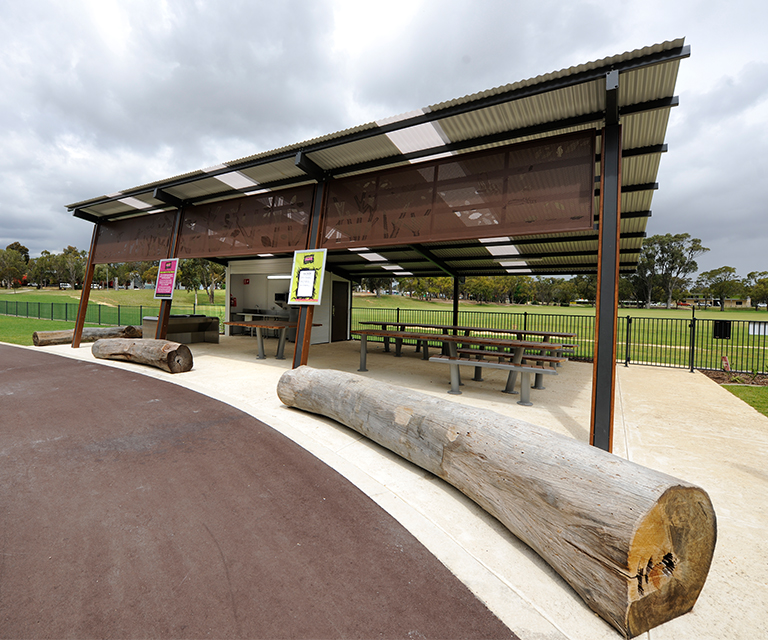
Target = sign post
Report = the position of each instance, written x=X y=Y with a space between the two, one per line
x=166 y=279
x=306 y=291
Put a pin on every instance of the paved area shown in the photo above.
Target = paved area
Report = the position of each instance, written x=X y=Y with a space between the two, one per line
x=668 y=419
x=136 y=508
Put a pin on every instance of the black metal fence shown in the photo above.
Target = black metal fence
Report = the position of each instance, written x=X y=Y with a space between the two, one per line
x=689 y=343
x=109 y=315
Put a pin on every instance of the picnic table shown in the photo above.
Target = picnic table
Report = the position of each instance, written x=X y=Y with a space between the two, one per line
x=494 y=346
x=280 y=325
x=520 y=334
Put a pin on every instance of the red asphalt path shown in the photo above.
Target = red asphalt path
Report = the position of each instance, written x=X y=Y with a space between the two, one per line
x=134 y=508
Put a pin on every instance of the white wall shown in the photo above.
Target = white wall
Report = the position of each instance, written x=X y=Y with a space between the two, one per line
x=260 y=291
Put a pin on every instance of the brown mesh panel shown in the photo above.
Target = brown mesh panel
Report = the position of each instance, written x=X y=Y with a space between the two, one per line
x=269 y=223
x=545 y=186
x=135 y=239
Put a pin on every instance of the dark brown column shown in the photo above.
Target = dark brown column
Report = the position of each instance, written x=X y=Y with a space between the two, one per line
x=306 y=312
x=606 y=319
x=85 y=294
x=173 y=249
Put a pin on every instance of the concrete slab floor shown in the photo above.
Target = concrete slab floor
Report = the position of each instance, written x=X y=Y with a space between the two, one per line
x=667 y=419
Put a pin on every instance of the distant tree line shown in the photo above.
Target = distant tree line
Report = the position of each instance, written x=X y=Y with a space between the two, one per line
x=67 y=268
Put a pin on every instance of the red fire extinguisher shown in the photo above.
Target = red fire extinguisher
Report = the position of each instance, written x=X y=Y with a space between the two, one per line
x=232 y=301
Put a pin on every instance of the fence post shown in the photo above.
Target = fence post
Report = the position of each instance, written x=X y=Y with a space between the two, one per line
x=66 y=312
x=525 y=321
x=692 y=326
x=118 y=315
x=99 y=313
x=629 y=339
x=398 y=314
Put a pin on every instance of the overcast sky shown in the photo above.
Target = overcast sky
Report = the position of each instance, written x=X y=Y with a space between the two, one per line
x=98 y=96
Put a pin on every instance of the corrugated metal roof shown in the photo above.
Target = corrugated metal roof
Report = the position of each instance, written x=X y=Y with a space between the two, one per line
x=560 y=102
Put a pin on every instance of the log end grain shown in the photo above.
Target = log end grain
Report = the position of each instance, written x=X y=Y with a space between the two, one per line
x=669 y=558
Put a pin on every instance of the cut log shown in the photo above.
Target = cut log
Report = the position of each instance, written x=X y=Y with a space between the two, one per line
x=90 y=334
x=172 y=357
x=634 y=543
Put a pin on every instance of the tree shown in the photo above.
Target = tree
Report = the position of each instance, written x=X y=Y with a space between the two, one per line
x=42 y=270
x=198 y=272
x=720 y=283
x=757 y=287
x=666 y=261
x=70 y=266
x=17 y=246
x=12 y=268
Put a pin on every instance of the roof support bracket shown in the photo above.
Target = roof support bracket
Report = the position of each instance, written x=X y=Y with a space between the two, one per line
x=167 y=198
x=310 y=167
x=440 y=264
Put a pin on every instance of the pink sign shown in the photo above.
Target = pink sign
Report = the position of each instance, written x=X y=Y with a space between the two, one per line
x=166 y=278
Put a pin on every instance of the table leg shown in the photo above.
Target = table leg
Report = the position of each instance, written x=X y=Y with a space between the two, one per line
x=452 y=353
x=386 y=338
x=525 y=389
x=425 y=349
x=517 y=358
x=260 y=342
x=538 y=382
x=398 y=347
x=455 y=380
x=363 y=352
x=281 y=344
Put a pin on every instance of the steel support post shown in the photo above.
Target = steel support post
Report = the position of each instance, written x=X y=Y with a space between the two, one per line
x=606 y=321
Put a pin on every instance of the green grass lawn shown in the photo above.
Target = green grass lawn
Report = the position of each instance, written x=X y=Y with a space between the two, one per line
x=126 y=297
x=756 y=397
x=20 y=330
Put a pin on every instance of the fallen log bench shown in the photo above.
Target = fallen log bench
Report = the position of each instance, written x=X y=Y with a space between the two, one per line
x=525 y=371
x=90 y=334
x=634 y=543
x=172 y=357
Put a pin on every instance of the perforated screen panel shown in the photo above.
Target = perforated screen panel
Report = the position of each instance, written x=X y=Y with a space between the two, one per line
x=134 y=239
x=545 y=186
x=269 y=223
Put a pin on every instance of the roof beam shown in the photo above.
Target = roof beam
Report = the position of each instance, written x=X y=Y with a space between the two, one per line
x=431 y=257
x=309 y=166
x=167 y=198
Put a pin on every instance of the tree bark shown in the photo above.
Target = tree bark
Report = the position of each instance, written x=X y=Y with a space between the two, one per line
x=634 y=543
x=172 y=357
x=90 y=334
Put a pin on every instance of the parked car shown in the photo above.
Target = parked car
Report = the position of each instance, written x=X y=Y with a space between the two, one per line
x=64 y=285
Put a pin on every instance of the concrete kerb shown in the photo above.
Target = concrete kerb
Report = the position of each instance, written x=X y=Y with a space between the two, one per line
x=667 y=419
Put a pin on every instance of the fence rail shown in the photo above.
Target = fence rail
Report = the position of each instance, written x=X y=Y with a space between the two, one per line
x=100 y=313
x=689 y=343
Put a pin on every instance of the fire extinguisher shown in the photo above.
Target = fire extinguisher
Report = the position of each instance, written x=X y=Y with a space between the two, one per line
x=232 y=301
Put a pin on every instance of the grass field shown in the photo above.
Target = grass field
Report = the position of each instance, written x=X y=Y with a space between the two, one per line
x=756 y=397
x=20 y=330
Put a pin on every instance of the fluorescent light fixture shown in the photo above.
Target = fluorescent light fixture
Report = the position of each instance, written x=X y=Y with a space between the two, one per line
x=485 y=240
x=513 y=263
x=518 y=271
x=403 y=273
x=358 y=249
x=392 y=267
x=373 y=257
x=507 y=250
x=286 y=276
x=265 y=255
x=258 y=192
x=135 y=203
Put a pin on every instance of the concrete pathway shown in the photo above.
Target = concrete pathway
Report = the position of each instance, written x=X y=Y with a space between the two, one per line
x=667 y=419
